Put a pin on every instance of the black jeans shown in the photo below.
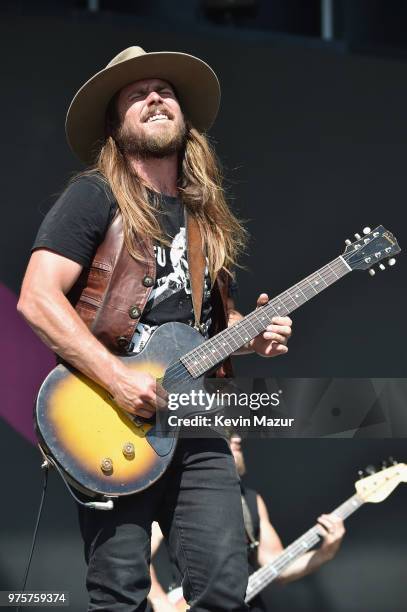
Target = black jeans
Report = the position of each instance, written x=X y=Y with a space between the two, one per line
x=198 y=506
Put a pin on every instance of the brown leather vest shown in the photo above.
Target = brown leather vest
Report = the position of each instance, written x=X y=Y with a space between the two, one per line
x=111 y=295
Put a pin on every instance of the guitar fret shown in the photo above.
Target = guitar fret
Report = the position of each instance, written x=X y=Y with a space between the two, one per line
x=296 y=304
x=233 y=342
x=257 y=330
x=313 y=287
x=258 y=323
x=282 y=306
x=223 y=345
x=298 y=287
x=323 y=279
x=332 y=270
x=244 y=337
x=262 y=316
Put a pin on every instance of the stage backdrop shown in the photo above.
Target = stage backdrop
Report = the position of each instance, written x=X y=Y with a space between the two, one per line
x=314 y=147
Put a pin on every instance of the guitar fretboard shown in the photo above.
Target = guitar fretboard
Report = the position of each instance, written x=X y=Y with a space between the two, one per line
x=207 y=355
x=265 y=575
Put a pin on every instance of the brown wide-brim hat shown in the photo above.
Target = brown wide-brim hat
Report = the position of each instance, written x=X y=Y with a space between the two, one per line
x=195 y=83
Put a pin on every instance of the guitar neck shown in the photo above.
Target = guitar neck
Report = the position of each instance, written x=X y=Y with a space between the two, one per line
x=265 y=575
x=207 y=355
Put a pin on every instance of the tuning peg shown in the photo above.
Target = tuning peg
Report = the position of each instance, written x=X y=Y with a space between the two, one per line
x=384 y=465
x=358 y=236
x=391 y=261
x=366 y=230
x=392 y=461
x=370 y=469
x=361 y=473
x=372 y=271
x=382 y=266
x=348 y=242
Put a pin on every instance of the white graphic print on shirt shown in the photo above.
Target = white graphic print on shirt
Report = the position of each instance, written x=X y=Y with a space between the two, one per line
x=175 y=281
x=178 y=278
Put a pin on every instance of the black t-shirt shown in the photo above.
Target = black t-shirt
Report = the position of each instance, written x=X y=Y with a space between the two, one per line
x=77 y=223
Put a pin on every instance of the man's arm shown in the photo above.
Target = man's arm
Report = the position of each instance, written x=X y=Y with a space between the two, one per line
x=271 y=342
x=270 y=545
x=44 y=305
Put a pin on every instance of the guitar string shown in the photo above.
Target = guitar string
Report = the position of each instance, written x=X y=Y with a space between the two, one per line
x=180 y=369
x=274 y=304
x=322 y=274
x=291 y=552
x=273 y=571
x=178 y=372
x=344 y=511
x=311 y=537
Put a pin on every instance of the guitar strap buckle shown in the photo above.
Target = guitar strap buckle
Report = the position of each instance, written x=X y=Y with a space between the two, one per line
x=201 y=327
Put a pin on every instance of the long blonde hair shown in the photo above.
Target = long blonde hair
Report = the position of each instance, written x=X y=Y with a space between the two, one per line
x=200 y=189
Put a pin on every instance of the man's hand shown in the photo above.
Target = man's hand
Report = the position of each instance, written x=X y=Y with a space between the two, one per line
x=162 y=605
x=273 y=341
x=136 y=392
x=44 y=305
x=333 y=531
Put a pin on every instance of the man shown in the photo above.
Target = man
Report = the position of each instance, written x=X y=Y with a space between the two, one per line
x=269 y=543
x=108 y=267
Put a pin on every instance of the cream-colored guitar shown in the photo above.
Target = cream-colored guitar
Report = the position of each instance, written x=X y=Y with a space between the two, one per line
x=374 y=489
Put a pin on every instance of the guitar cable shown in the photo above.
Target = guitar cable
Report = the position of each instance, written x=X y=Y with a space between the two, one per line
x=107 y=505
x=45 y=467
x=95 y=505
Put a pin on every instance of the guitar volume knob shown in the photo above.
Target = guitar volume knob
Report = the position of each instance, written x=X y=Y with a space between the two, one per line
x=106 y=466
x=128 y=450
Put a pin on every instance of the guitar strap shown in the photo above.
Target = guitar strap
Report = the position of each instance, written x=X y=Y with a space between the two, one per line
x=196 y=265
x=248 y=524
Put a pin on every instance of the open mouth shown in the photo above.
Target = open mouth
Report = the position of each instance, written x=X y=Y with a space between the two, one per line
x=157 y=117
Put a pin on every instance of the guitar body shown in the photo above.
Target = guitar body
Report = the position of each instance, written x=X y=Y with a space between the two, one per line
x=79 y=425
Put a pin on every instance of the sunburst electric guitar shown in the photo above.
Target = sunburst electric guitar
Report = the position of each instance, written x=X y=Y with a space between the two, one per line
x=105 y=452
x=374 y=488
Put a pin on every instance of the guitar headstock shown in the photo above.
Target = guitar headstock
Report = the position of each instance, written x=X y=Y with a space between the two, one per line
x=378 y=485
x=371 y=249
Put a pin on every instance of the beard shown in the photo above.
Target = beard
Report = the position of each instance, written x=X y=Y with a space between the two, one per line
x=158 y=144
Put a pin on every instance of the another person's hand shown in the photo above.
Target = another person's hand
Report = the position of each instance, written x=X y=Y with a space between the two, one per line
x=136 y=392
x=273 y=341
x=333 y=530
x=163 y=605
